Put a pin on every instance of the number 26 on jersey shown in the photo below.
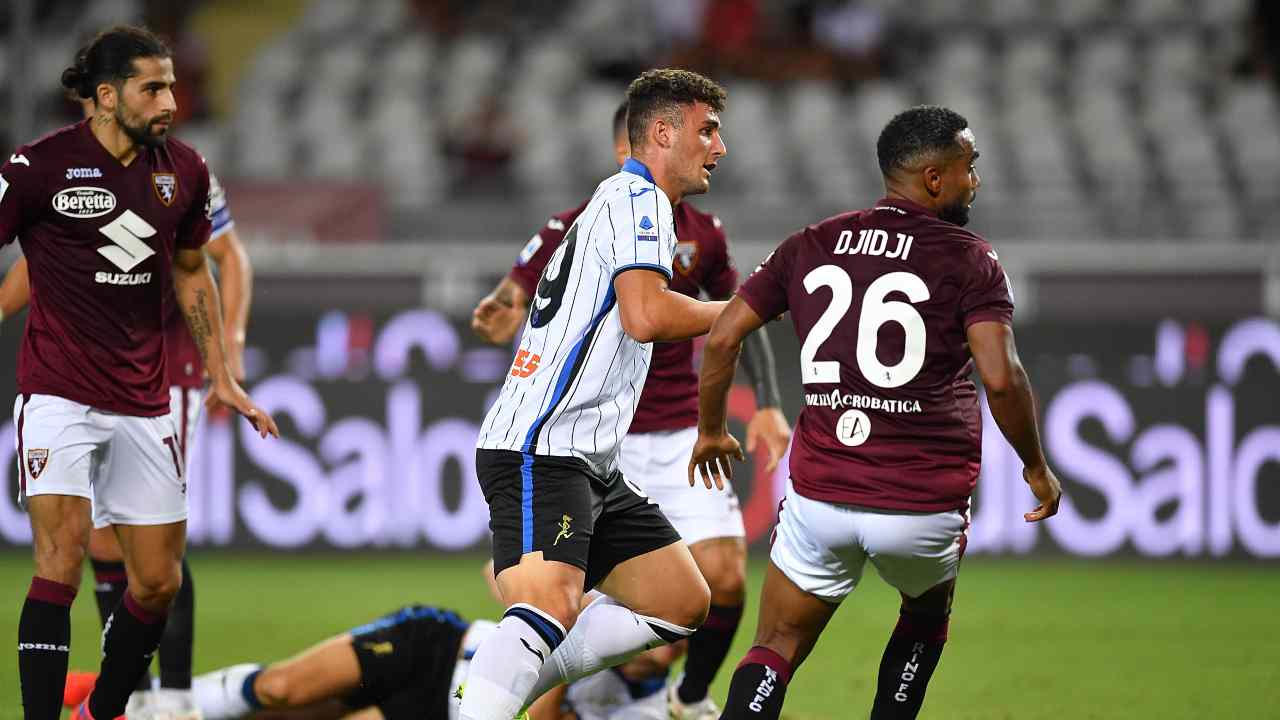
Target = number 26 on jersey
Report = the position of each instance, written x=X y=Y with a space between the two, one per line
x=876 y=311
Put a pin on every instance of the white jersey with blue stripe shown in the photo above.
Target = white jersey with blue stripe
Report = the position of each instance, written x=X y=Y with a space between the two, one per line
x=219 y=213
x=577 y=376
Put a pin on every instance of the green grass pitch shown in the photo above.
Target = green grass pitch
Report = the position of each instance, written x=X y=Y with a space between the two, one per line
x=1029 y=639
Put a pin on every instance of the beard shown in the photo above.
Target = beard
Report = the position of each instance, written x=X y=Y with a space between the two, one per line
x=957 y=213
x=141 y=134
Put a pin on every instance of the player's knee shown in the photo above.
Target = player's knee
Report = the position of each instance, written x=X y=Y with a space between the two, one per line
x=155 y=590
x=689 y=609
x=728 y=585
x=559 y=601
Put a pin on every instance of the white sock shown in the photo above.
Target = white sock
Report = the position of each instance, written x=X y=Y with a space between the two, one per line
x=507 y=663
x=219 y=695
x=606 y=635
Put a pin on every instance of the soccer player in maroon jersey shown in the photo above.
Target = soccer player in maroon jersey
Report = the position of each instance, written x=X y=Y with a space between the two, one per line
x=110 y=216
x=186 y=395
x=894 y=305
x=662 y=433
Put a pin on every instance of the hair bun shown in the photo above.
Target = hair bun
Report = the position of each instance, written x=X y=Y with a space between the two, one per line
x=74 y=78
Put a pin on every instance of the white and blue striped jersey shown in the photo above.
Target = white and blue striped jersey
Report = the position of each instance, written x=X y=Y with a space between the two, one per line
x=577 y=376
x=218 y=212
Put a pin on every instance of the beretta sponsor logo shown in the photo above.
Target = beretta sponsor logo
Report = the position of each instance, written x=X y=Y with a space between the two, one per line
x=84 y=202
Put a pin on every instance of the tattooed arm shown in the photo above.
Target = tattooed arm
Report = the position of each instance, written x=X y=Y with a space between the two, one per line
x=198 y=297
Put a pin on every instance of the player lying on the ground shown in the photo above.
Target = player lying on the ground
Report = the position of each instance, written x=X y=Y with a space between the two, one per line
x=406 y=665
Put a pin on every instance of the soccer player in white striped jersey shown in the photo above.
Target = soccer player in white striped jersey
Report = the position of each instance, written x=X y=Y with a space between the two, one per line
x=564 y=519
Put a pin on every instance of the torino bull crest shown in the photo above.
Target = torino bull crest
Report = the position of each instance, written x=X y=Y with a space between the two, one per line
x=166 y=185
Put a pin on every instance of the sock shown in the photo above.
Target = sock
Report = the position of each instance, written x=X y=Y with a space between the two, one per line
x=909 y=659
x=606 y=634
x=128 y=642
x=179 y=636
x=758 y=686
x=506 y=665
x=707 y=650
x=109 y=584
x=44 y=646
x=227 y=693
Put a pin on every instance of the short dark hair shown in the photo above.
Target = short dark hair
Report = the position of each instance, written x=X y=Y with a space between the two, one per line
x=915 y=132
x=620 y=119
x=662 y=92
x=109 y=58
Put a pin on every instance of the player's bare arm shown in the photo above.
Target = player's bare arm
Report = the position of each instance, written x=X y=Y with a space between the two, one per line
x=1013 y=407
x=15 y=291
x=499 y=315
x=198 y=298
x=235 y=285
x=652 y=312
x=768 y=427
x=715 y=447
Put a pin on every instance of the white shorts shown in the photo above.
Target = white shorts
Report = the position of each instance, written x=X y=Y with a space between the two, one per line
x=129 y=467
x=658 y=463
x=821 y=547
x=186 y=405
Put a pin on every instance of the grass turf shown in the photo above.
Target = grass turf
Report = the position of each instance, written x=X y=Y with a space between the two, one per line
x=1029 y=639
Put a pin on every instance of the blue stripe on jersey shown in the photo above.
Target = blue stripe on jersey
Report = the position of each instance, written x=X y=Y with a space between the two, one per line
x=635 y=167
x=408 y=614
x=221 y=219
x=644 y=266
x=568 y=371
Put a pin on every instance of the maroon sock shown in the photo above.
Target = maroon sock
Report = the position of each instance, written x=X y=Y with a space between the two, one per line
x=128 y=642
x=707 y=650
x=109 y=583
x=758 y=686
x=44 y=646
x=909 y=660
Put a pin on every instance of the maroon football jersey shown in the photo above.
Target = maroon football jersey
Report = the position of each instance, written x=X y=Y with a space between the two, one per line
x=669 y=400
x=880 y=300
x=99 y=238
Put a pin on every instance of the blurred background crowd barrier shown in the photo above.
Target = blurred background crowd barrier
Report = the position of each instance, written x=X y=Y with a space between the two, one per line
x=386 y=160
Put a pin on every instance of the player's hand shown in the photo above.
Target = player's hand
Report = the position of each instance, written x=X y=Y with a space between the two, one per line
x=484 y=319
x=1047 y=490
x=712 y=456
x=230 y=394
x=769 y=426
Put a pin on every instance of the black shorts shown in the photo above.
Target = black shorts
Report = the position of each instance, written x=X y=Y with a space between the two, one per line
x=556 y=505
x=407 y=659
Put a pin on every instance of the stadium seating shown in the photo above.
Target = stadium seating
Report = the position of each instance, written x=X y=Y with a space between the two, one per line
x=1096 y=118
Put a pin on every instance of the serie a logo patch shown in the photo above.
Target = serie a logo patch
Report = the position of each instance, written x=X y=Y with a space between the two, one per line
x=37 y=461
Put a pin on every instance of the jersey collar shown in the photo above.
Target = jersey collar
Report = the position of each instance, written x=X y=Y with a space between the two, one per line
x=906 y=206
x=635 y=167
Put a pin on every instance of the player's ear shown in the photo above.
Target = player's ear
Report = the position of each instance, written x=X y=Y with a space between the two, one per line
x=663 y=133
x=932 y=176
x=107 y=96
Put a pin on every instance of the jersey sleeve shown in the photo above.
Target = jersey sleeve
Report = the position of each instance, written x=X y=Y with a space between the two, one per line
x=220 y=221
x=536 y=254
x=765 y=291
x=722 y=277
x=986 y=295
x=193 y=233
x=20 y=189
x=639 y=230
